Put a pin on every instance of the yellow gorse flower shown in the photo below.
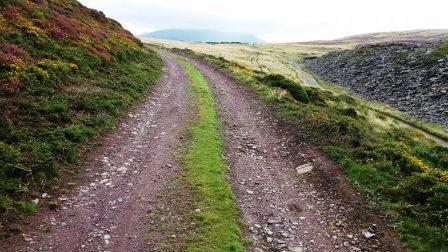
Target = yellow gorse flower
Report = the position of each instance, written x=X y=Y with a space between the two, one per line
x=441 y=175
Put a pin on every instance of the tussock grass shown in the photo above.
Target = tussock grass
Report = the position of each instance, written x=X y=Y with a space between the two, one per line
x=218 y=222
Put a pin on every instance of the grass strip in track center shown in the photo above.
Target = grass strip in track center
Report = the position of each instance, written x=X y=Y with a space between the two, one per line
x=218 y=221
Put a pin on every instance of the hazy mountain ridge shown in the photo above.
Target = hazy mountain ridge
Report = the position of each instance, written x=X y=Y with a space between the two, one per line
x=203 y=35
x=420 y=36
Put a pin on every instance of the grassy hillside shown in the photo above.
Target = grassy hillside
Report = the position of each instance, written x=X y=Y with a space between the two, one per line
x=401 y=170
x=66 y=74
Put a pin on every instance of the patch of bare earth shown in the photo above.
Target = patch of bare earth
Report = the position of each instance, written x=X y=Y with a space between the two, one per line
x=291 y=195
x=120 y=181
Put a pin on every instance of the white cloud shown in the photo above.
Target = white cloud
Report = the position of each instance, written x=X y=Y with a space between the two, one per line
x=279 y=20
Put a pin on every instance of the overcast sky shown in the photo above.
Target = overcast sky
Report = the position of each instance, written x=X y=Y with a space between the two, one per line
x=278 y=20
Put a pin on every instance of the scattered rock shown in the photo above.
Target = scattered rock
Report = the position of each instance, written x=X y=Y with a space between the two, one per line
x=53 y=204
x=296 y=249
x=62 y=198
x=103 y=181
x=304 y=168
x=367 y=234
x=106 y=239
x=27 y=238
x=122 y=170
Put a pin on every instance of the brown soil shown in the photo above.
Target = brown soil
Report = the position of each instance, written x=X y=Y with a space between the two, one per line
x=318 y=210
x=120 y=179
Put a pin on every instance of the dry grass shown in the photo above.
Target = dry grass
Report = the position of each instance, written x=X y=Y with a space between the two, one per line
x=268 y=58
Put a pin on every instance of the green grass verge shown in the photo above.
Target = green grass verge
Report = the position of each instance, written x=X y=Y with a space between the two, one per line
x=405 y=172
x=218 y=222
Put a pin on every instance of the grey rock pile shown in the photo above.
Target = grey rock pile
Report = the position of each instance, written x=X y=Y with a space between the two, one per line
x=394 y=73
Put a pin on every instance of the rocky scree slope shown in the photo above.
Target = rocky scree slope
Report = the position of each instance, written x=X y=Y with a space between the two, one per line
x=66 y=73
x=412 y=77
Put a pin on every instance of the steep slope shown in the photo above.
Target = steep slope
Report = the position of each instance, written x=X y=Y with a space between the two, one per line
x=410 y=77
x=199 y=35
x=66 y=73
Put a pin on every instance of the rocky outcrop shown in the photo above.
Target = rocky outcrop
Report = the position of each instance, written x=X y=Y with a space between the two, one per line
x=395 y=73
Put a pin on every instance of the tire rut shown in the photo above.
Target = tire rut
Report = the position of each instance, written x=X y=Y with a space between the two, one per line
x=120 y=179
x=317 y=210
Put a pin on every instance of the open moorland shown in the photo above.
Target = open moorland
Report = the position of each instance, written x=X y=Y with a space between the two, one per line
x=111 y=144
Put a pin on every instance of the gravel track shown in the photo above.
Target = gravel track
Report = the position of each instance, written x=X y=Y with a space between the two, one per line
x=316 y=210
x=120 y=179
x=285 y=206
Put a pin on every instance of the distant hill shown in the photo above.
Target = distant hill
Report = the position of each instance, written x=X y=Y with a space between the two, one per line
x=429 y=36
x=200 y=35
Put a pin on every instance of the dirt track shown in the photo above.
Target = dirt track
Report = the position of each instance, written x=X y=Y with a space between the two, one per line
x=121 y=179
x=317 y=210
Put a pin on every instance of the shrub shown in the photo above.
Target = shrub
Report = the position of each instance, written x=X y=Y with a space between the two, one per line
x=78 y=133
x=438 y=53
x=350 y=112
x=296 y=91
x=28 y=207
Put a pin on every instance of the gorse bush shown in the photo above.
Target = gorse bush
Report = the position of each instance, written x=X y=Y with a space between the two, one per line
x=296 y=91
x=66 y=74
